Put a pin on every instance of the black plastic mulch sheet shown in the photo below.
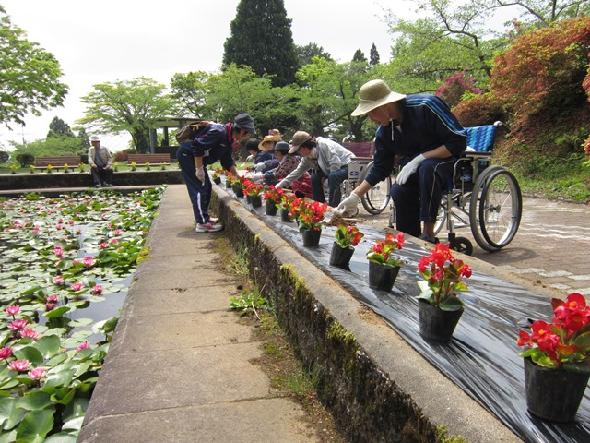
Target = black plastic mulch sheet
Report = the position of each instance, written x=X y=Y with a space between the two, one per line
x=482 y=358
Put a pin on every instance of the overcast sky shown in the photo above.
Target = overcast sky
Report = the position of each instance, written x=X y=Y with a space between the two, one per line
x=112 y=40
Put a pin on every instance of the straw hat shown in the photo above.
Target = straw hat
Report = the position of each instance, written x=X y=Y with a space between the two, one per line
x=298 y=139
x=373 y=94
x=268 y=139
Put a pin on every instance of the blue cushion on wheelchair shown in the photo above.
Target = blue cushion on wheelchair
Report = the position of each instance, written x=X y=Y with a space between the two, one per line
x=481 y=138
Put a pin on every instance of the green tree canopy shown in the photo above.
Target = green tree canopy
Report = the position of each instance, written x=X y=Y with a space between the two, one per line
x=544 y=12
x=359 y=57
x=260 y=37
x=134 y=106
x=375 y=58
x=190 y=93
x=29 y=75
x=306 y=53
x=59 y=128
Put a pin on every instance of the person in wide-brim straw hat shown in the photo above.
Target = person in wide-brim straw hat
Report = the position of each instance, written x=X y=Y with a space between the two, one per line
x=422 y=131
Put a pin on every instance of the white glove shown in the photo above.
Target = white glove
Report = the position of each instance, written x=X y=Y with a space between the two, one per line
x=349 y=205
x=409 y=169
x=258 y=176
x=200 y=174
x=259 y=167
x=282 y=184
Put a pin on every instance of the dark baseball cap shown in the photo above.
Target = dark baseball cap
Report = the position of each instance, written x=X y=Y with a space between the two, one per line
x=282 y=146
x=244 y=121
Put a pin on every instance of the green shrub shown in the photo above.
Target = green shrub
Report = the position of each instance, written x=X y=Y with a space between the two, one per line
x=25 y=159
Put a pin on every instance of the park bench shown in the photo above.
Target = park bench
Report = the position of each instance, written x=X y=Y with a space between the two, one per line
x=57 y=162
x=152 y=159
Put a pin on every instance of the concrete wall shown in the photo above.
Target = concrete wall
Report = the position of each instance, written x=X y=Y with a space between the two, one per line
x=61 y=180
x=377 y=387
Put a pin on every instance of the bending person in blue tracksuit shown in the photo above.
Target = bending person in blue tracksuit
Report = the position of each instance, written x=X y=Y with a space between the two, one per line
x=211 y=142
x=427 y=137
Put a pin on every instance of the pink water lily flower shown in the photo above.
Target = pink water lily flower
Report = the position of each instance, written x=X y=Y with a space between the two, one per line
x=5 y=352
x=59 y=226
x=17 y=325
x=19 y=365
x=53 y=298
x=49 y=306
x=103 y=245
x=96 y=290
x=58 y=251
x=18 y=224
x=58 y=280
x=114 y=241
x=75 y=262
x=82 y=346
x=29 y=333
x=118 y=232
x=88 y=261
x=12 y=310
x=37 y=373
x=76 y=286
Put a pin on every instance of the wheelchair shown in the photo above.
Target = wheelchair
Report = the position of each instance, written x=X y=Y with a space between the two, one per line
x=485 y=197
x=377 y=199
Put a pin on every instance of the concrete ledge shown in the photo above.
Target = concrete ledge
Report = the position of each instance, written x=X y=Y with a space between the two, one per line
x=375 y=384
x=74 y=179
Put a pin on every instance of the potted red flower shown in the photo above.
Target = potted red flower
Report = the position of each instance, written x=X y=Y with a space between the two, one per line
x=285 y=206
x=253 y=191
x=236 y=185
x=310 y=216
x=557 y=363
x=273 y=197
x=347 y=237
x=439 y=307
x=217 y=173
x=383 y=265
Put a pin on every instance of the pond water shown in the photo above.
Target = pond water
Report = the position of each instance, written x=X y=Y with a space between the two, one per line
x=65 y=265
x=482 y=358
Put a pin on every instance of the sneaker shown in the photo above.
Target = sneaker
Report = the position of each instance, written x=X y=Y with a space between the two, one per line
x=213 y=220
x=429 y=239
x=208 y=227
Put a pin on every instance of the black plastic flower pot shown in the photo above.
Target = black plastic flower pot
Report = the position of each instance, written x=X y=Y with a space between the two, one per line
x=256 y=201
x=382 y=277
x=436 y=324
x=271 y=207
x=248 y=199
x=553 y=394
x=285 y=215
x=311 y=237
x=340 y=256
x=227 y=184
x=238 y=191
x=217 y=180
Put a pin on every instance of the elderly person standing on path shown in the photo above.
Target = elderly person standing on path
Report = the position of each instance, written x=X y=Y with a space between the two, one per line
x=327 y=158
x=421 y=129
x=101 y=163
x=207 y=144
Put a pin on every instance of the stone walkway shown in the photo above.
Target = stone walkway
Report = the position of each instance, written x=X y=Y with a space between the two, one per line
x=179 y=367
x=550 y=249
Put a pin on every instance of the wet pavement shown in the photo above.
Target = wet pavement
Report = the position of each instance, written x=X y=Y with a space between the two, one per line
x=550 y=248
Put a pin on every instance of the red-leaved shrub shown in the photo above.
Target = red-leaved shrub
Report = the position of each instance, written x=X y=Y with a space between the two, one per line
x=455 y=86
x=543 y=70
x=482 y=109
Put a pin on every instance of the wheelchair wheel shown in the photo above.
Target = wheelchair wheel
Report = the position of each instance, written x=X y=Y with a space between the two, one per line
x=463 y=245
x=459 y=216
x=496 y=209
x=376 y=200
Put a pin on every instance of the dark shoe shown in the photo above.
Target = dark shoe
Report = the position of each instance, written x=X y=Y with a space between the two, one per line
x=429 y=239
x=97 y=186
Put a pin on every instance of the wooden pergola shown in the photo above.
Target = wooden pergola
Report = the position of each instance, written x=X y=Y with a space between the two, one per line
x=165 y=124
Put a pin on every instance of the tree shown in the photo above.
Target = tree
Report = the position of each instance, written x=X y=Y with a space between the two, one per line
x=306 y=53
x=29 y=75
x=190 y=93
x=84 y=139
x=374 y=55
x=59 y=128
x=359 y=57
x=545 y=12
x=260 y=37
x=134 y=106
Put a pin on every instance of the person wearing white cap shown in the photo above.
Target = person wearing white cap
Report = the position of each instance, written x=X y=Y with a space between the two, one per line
x=101 y=163
x=421 y=130
x=327 y=158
